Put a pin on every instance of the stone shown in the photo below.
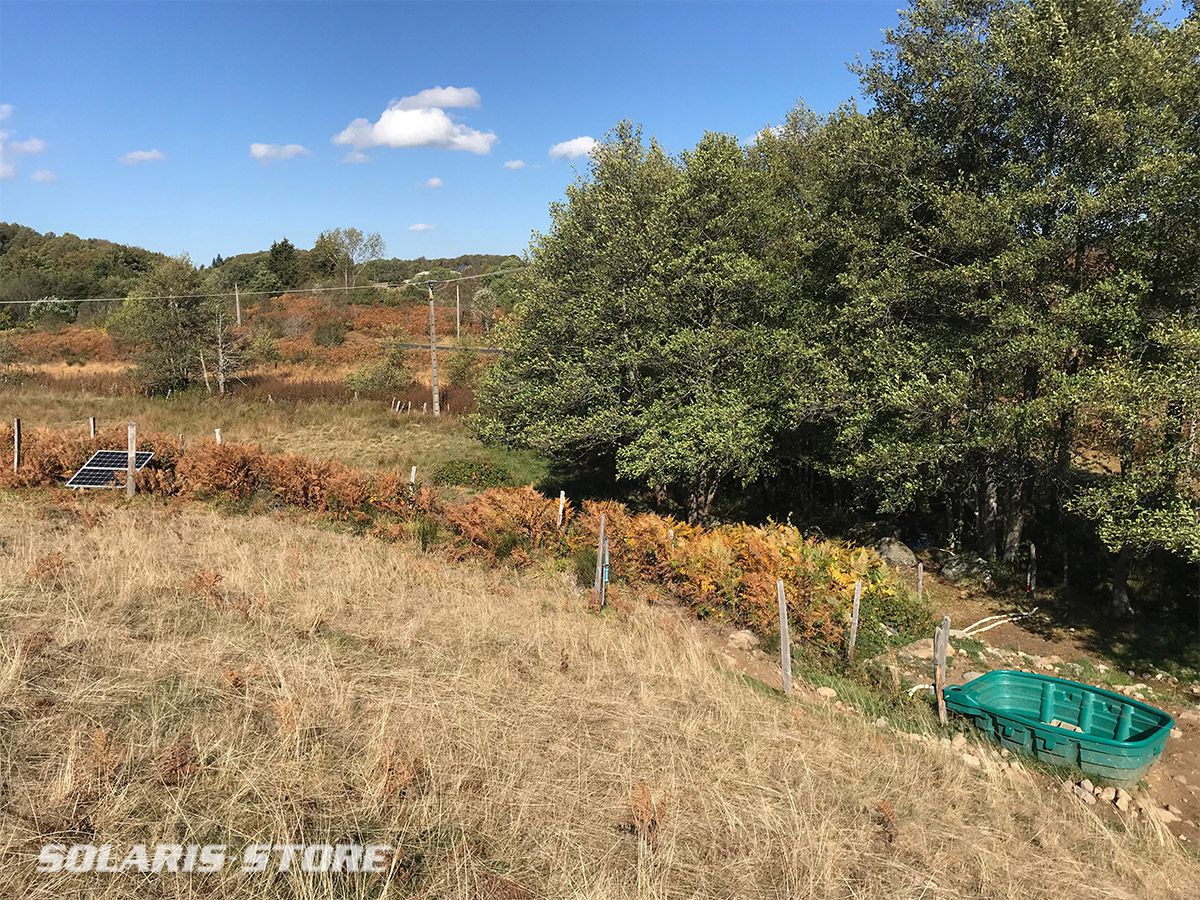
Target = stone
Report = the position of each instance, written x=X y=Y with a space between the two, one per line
x=1004 y=753
x=1176 y=733
x=956 y=568
x=1087 y=785
x=1179 y=779
x=973 y=761
x=1122 y=803
x=827 y=692
x=881 y=722
x=743 y=640
x=896 y=553
x=1047 y=662
x=1085 y=795
x=1165 y=814
x=1107 y=794
x=958 y=741
x=923 y=649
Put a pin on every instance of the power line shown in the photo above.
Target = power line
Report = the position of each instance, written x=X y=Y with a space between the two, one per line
x=408 y=283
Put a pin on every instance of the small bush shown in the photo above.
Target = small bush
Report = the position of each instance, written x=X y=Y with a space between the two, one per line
x=472 y=473
x=427 y=531
x=331 y=334
x=389 y=373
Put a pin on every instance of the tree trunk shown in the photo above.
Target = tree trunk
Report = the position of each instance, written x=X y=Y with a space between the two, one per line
x=985 y=514
x=1122 y=563
x=700 y=501
x=1015 y=521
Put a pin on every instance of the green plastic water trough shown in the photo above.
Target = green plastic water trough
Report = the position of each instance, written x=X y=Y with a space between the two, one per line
x=1118 y=738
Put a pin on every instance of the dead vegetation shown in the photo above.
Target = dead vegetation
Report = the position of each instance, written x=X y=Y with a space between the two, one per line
x=503 y=740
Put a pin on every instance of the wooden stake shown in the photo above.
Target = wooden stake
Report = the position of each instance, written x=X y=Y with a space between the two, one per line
x=920 y=580
x=181 y=442
x=457 y=313
x=562 y=503
x=412 y=476
x=217 y=434
x=91 y=426
x=16 y=444
x=433 y=360
x=604 y=577
x=131 y=471
x=597 y=596
x=941 y=640
x=854 y=622
x=785 y=641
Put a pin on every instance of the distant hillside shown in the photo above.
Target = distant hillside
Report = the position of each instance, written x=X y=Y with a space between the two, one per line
x=35 y=265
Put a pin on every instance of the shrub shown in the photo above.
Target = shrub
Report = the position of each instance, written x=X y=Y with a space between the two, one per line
x=207 y=470
x=331 y=333
x=472 y=473
x=463 y=368
x=388 y=373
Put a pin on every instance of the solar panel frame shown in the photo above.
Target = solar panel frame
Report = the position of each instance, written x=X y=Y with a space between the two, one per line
x=100 y=471
x=116 y=460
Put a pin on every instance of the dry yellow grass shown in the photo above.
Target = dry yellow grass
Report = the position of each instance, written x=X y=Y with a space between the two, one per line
x=364 y=434
x=189 y=677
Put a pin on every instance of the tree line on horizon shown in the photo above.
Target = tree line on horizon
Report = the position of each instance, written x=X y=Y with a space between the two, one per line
x=969 y=311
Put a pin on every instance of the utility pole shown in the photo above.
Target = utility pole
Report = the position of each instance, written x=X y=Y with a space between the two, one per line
x=237 y=304
x=433 y=368
x=457 y=313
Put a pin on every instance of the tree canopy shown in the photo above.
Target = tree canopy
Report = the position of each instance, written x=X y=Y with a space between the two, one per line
x=974 y=306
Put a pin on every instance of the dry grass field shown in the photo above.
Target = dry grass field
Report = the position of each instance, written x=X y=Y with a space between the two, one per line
x=363 y=434
x=169 y=672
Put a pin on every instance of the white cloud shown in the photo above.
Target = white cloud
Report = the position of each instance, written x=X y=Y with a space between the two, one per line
x=356 y=156
x=7 y=171
x=44 y=176
x=576 y=147
x=32 y=146
x=776 y=130
x=515 y=164
x=5 y=111
x=421 y=226
x=134 y=157
x=434 y=182
x=415 y=128
x=439 y=98
x=277 y=152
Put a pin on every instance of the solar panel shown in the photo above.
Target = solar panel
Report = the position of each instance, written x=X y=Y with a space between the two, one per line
x=101 y=470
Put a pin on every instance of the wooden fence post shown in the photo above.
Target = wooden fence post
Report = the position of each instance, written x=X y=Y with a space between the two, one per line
x=412 y=476
x=941 y=640
x=131 y=463
x=785 y=641
x=91 y=426
x=562 y=503
x=181 y=442
x=597 y=596
x=920 y=580
x=604 y=577
x=16 y=444
x=217 y=434
x=854 y=622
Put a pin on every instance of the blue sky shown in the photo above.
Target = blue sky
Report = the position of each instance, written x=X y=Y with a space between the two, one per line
x=84 y=84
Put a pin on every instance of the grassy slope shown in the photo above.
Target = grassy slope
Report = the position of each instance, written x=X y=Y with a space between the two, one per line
x=483 y=721
x=365 y=434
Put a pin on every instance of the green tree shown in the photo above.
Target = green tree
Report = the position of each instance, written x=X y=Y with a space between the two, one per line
x=166 y=324
x=284 y=263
